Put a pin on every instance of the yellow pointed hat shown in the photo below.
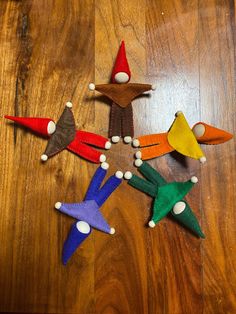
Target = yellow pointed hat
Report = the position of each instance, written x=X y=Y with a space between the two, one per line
x=182 y=139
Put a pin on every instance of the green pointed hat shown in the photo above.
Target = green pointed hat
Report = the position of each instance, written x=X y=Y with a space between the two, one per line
x=168 y=195
x=185 y=216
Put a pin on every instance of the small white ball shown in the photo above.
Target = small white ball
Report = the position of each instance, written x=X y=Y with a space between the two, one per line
x=58 y=205
x=151 y=224
x=112 y=231
x=202 y=159
x=194 y=179
x=154 y=87
x=51 y=128
x=69 y=104
x=138 y=162
x=102 y=158
x=128 y=175
x=136 y=143
x=179 y=208
x=115 y=139
x=119 y=174
x=127 y=139
x=138 y=154
x=178 y=113
x=108 y=145
x=91 y=86
x=44 y=157
x=104 y=165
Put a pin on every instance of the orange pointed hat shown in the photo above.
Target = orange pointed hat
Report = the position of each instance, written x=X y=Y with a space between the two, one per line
x=121 y=71
x=207 y=134
x=42 y=126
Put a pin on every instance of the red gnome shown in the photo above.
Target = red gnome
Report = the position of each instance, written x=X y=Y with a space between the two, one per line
x=121 y=93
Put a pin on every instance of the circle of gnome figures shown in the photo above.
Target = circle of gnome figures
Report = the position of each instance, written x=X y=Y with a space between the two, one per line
x=168 y=197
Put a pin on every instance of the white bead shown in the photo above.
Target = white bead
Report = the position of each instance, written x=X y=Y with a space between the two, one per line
x=136 y=143
x=83 y=227
x=44 y=157
x=51 y=128
x=179 y=207
x=102 y=158
x=154 y=87
x=121 y=77
x=127 y=139
x=202 y=160
x=151 y=224
x=105 y=165
x=58 y=205
x=91 y=86
x=128 y=175
x=69 y=104
x=108 y=145
x=112 y=230
x=178 y=113
x=138 y=154
x=138 y=162
x=115 y=139
x=199 y=130
x=119 y=174
x=194 y=179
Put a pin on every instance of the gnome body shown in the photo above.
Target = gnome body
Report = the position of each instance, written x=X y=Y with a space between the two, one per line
x=180 y=138
x=88 y=212
x=168 y=197
x=121 y=93
x=64 y=135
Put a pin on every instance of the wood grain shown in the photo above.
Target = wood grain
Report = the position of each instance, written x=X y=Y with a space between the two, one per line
x=50 y=51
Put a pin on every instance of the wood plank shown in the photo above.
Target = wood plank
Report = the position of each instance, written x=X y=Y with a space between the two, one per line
x=217 y=97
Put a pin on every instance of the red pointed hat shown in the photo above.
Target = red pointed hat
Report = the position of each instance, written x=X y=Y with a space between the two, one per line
x=42 y=126
x=121 y=64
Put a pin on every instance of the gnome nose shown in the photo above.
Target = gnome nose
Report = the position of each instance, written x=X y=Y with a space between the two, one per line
x=121 y=77
x=51 y=128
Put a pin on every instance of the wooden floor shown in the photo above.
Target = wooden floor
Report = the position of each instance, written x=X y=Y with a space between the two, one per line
x=49 y=52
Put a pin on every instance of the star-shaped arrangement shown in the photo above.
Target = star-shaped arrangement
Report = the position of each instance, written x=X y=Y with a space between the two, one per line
x=168 y=197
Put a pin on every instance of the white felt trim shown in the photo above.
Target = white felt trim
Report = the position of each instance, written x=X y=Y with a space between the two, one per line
x=151 y=224
x=108 y=145
x=179 y=208
x=104 y=165
x=202 y=159
x=138 y=154
x=69 y=104
x=199 y=130
x=121 y=77
x=154 y=86
x=119 y=174
x=112 y=231
x=194 y=179
x=51 y=128
x=138 y=162
x=83 y=227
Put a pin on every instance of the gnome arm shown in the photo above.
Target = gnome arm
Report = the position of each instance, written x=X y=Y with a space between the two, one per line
x=96 y=181
x=93 y=139
x=151 y=174
x=86 y=151
x=143 y=185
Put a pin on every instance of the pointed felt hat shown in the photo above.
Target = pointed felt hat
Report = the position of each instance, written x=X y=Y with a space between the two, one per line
x=208 y=134
x=42 y=126
x=78 y=233
x=121 y=66
x=182 y=139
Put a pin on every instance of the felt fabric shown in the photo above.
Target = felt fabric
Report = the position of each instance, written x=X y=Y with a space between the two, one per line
x=166 y=196
x=79 y=147
x=121 y=64
x=213 y=135
x=74 y=239
x=182 y=139
x=189 y=220
x=121 y=121
x=64 y=134
x=88 y=210
x=122 y=94
x=37 y=125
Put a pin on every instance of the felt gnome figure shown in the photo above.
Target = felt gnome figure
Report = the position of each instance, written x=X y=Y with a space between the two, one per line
x=180 y=138
x=63 y=135
x=87 y=213
x=168 y=197
x=121 y=93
